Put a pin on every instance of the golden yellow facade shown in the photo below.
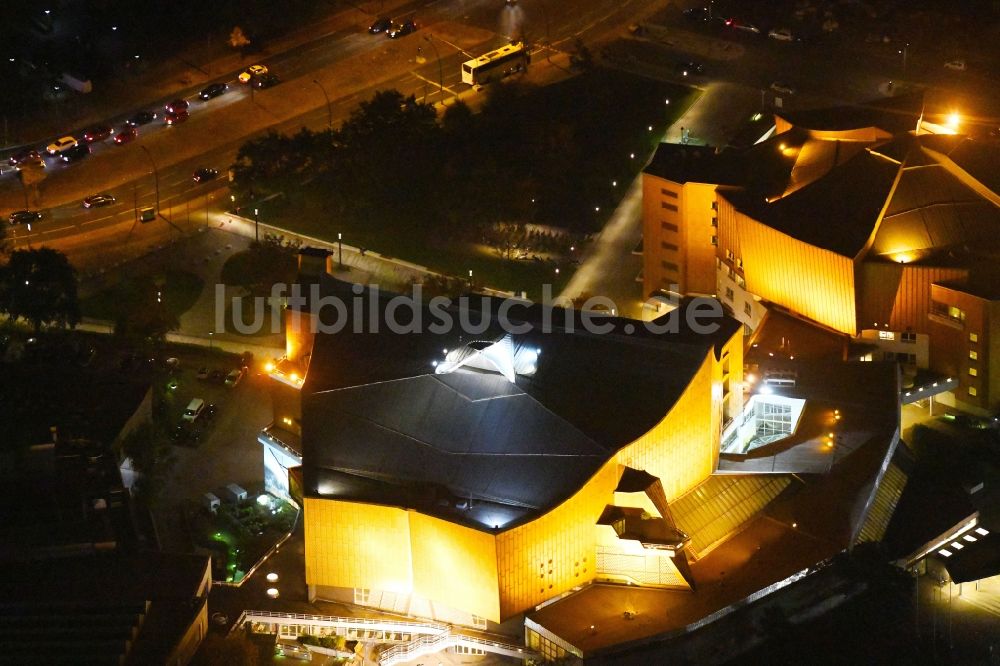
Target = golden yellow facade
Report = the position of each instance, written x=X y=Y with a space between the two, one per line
x=555 y=552
x=816 y=283
x=495 y=576
x=454 y=565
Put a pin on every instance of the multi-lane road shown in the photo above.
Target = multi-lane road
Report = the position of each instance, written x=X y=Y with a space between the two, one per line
x=347 y=65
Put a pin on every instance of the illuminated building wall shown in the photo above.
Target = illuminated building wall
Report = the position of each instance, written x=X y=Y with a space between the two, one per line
x=897 y=297
x=679 y=236
x=555 y=552
x=813 y=282
x=965 y=343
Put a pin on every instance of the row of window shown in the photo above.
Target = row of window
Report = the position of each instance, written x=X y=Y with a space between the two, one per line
x=747 y=310
x=669 y=206
x=907 y=337
x=668 y=193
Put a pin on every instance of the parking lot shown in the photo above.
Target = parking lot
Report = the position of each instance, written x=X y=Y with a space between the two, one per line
x=225 y=449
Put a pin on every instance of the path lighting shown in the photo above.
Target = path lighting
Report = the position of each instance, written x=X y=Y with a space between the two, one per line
x=614 y=183
x=272 y=577
x=667 y=102
x=632 y=155
x=272 y=592
x=269 y=367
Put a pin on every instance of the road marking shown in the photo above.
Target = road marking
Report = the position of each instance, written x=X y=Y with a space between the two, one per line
x=435 y=84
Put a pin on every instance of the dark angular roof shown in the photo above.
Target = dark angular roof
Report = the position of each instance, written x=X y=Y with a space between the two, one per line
x=382 y=423
x=837 y=212
x=695 y=164
x=980 y=159
x=891 y=114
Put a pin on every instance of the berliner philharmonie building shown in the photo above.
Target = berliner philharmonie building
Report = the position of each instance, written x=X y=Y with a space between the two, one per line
x=582 y=490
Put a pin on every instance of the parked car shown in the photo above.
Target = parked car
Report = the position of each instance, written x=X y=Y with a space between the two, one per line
x=689 y=68
x=202 y=373
x=213 y=90
x=176 y=106
x=783 y=88
x=77 y=152
x=175 y=118
x=24 y=216
x=381 y=24
x=60 y=145
x=126 y=134
x=205 y=174
x=98 y=201
x=234 y=376
x=696 y=14
x=98 y=133
x=250 y=72
x=958 y=65
x=266 y=81
x=217 y=376
x=142 y=118
x=397 y=30
x=781 y=34
x=193 y=410
x=24 y=156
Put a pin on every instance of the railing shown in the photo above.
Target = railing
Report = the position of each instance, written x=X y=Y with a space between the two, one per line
x=401 y=626
x=425 y=645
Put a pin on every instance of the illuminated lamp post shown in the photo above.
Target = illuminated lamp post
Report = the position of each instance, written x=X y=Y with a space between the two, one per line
x=329 y=109
x=437 y=53
x=156 y=176
x=340 y=251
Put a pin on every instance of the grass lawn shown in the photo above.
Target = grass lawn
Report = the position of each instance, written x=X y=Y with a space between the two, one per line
x=180 y=292
x=621 y=133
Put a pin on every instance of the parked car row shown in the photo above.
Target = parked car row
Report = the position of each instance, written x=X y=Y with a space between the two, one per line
x=230 y=379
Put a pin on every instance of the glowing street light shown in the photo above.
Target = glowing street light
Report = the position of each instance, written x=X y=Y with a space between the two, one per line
x=953 y=120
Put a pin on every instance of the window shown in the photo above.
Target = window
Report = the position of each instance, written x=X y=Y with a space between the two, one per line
x=973 y=372
x=668 y=206
x=670 y=266
x=479 y=622
x=668 y=193
x=949 y=311
x=973 y=337
x=973 y=355
x=668 y=246
x=729 y=293
x=886 y=335
x=729 y=255
x=715 y=222
x=715 y=240
x=362 y=595
x=909 y=338
x=747 y=309
x=668 y=226
x=972 y=391
x=715 y=205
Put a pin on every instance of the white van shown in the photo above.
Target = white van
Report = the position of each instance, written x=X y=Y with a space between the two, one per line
x=194 y=410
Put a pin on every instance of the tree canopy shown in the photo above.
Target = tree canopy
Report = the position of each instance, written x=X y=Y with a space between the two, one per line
x=40 y=286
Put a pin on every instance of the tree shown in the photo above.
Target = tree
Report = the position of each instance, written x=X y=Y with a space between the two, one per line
x=506 y=238
x=151 y=456
x=144 y=320
x=237 y=39
x=261 y=266
x=40 y=286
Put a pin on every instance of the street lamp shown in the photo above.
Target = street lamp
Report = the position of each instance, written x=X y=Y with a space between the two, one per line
x=329 y=109
x=427 y=38
x=210 y=334
x=340 y=250
x=256 y=225
x=903 y=52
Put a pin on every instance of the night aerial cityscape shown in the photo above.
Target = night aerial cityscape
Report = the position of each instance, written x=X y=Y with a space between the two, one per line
x=439 y=332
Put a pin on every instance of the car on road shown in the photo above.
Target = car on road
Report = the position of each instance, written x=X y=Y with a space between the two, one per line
x=213 y=90
x=689 y=68
x=98 y=201
x=958 y=65
x=381 y=24
x=397 y=30
x=77 y=152
x=205 y=174
x=98 y=133
x=175 y=118
x=176 y=106
x=697 y=14
x=24 y=216
x=234 y=376
x=60 y=145
x=126 y=134
x=783 y=88
x=250 y=72
x=24 y=156
x=142 y=118
x=781 y=34
x=266 y=81
x=737 y=24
